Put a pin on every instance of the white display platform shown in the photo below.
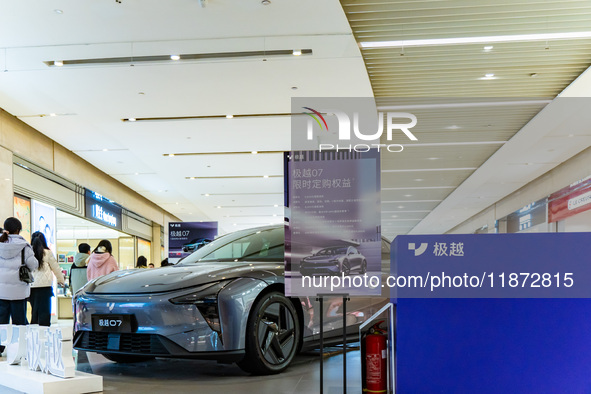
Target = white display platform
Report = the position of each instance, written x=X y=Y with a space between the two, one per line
x=21 y=378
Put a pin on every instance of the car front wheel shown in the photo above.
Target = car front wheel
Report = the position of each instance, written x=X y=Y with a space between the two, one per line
x=272 y=335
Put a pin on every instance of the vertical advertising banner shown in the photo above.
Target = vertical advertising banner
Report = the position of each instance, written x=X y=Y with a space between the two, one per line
x=186 y=237
x=43 y=220
x=22 y=211
x=333 y=240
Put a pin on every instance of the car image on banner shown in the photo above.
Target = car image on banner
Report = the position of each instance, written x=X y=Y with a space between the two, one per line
x=334 y=261
x=224 y=302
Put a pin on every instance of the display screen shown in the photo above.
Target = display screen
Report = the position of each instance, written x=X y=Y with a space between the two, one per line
x=22 y=211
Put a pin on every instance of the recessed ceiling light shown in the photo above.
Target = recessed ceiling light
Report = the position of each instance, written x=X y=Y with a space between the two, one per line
x=274 y=214
x=176 y=203
x=254 y=152
x=297 y=52
x=453 y=127
x=489 y=75
x=206 y=194
x=394 y=216
x=408 y=195
x=136 y=173
x=229 y=116
x=105 y=150
x=400 y=206
x=219 y=206
x=265 y=176
x=52 y=114
x=175 y=57
x=234 y=224
x=6 y=179
x=192 y=178
x=58 y=63
x=57 y=11
x=275 y=205
x=488 y=48
x=419 y=179
x=171 y=155
x=433 y=158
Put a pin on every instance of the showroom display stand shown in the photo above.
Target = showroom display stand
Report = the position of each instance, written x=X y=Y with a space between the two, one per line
x=320 y=299
x=21 y=378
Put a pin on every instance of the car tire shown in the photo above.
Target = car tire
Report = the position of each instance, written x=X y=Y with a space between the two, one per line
x=273 y=335
x=363 y=267
x=126 y=358
x=346 y=268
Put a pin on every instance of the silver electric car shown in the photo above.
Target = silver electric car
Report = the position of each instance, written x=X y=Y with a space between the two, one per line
x=224 y=302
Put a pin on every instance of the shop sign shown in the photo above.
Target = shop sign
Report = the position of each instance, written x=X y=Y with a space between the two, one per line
x=570 y=201
x=102 y=210
x=44 y=349
x=528 y=216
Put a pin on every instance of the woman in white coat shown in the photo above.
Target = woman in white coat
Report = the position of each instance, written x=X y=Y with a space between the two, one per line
x=41 y=288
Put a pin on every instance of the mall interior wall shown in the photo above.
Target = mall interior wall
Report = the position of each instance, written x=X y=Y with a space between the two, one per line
x=566 y=173
x=18 y=138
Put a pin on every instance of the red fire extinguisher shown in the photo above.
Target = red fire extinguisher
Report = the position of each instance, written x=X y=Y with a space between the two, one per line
x=376 y=360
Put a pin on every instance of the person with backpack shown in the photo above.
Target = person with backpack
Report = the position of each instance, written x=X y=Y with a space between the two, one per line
x=14 y=251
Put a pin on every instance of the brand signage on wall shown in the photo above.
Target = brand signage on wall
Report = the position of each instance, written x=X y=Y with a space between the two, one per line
x=102 y=210
x=570 y=200
x=527 y=217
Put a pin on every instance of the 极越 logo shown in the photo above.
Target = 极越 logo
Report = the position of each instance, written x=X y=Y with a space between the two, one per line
x=420 y=250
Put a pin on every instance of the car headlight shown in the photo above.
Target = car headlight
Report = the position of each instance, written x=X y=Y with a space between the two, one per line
x=205 y=298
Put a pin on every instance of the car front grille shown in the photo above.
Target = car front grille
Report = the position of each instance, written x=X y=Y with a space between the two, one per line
x=146 y=344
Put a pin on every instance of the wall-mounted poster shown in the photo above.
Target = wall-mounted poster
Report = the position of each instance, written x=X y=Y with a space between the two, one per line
x=43 y=219
x=61 y=258
x=185 y=238
x=22 y=211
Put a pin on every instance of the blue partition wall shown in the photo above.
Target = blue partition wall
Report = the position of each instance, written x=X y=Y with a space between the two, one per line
x=494 y=346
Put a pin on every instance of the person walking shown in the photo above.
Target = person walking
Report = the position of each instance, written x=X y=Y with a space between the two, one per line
x=101 y=261
x=78 y=269
x=41 y=288
x=13 y=292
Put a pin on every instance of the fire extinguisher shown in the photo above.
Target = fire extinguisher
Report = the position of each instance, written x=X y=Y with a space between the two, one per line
x=376 y=360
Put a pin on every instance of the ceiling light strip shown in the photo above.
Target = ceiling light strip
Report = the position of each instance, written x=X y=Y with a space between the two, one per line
x=239 y=194
x=434 y=169
x=419 y=188
x=409 y=201
x=420 y=211
x=464 y=105
x=196 y=117
x=467 y=143
x=177 y=58
x=223 y=153
x=233 y=177
x=475 y=40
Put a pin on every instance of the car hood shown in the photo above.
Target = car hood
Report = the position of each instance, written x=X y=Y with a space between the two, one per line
x=141 y=281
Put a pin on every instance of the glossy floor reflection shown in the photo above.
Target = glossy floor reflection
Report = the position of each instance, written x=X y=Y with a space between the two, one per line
x=205 y=377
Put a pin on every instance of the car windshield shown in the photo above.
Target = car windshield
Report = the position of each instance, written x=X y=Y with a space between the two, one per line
x=253 y=245
x=332 y=251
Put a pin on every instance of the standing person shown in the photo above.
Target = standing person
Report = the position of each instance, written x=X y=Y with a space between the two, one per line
x=41 y=288
x=142 y=262
x=13 y=292
x=101 y=261
x=78 y=269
